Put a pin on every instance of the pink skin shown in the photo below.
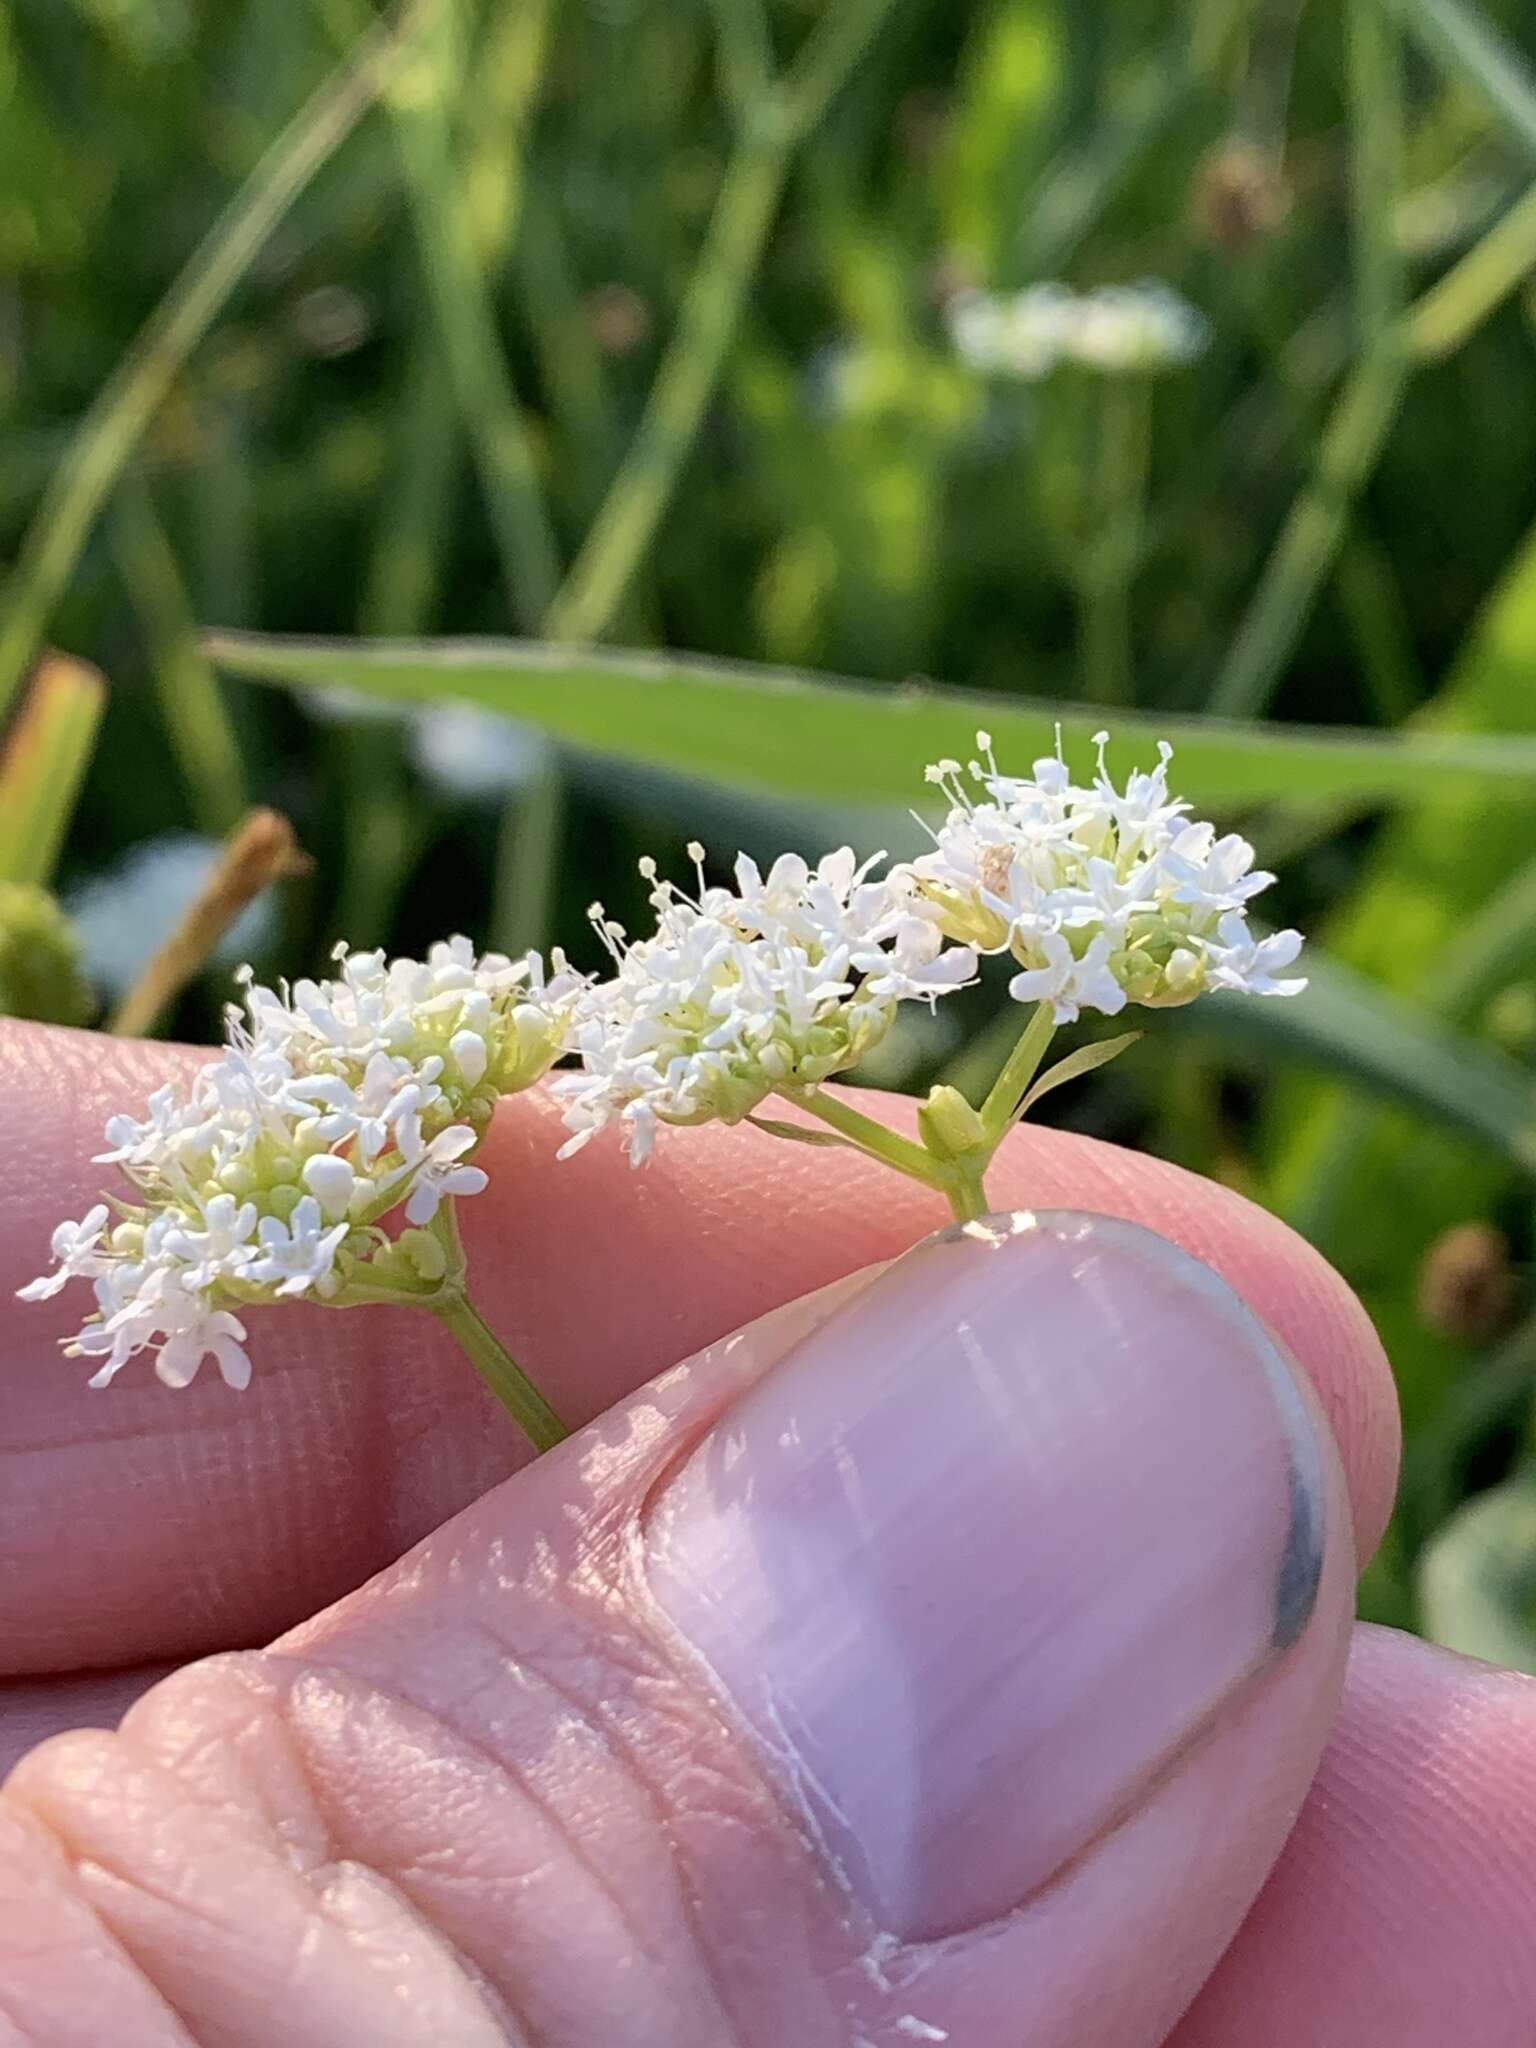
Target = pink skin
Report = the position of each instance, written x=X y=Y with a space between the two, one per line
x=495 y=1795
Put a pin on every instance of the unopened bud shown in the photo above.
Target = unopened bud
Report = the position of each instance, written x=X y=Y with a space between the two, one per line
x=949 y=1127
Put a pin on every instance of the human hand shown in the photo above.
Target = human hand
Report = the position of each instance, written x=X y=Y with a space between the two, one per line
x=944 y=1657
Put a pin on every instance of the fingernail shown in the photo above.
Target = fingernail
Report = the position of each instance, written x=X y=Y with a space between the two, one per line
x=989 y=1547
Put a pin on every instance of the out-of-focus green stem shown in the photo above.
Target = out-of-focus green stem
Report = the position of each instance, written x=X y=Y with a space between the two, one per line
x=527 y=859
x=405 y=566
x=1368 y=403
x=1108 y=565
x=106 y=436
x=43 y=764
x=711 y=310
x=1373 y=608
x=465 y=318
x=1376 y=168
x=1470 y=51
x=1457 y=305
x=630 y=513
x=1303 y=554
x=197 y=720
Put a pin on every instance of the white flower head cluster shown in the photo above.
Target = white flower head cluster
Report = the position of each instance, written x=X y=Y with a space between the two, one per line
x=1118 y=328
x=335 y=1105
x=738 y=994
x=1104 y=896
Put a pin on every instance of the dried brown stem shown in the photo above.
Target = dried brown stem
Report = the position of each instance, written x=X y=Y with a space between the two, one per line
x=261 y=851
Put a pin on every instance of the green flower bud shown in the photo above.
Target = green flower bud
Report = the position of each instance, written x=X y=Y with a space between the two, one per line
x=949 y=1127
x=424 y=1252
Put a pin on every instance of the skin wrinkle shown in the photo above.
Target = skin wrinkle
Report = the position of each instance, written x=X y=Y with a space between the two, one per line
x=517 y=1782
x=595 y=1719
x=592 y=1580
x=75 y=1906
x=315 y=1887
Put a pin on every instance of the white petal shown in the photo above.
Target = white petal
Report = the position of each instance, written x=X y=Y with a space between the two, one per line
x=233 y=1363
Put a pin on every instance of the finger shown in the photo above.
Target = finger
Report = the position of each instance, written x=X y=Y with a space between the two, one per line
x=139 y=1523
x=942 y=1663
x=32 y=1709
x=1400 y=1914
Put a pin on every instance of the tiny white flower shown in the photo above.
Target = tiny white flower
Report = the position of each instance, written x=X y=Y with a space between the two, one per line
x=336 y=1103
x=1103 y=895
x=75 y=1252
x=298 y=1255
x=436 y=1172
x=773 y=986
x=212 y=1334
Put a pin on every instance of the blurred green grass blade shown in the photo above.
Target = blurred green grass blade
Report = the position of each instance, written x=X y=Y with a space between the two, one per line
x=1376 y=168
x=1351 y=1027
x=1304 y=553
x=420 y=101
x=1452 y=310
x=404 y=577
x=528 y=859
x=790 y=734
x=197 y=720
x=748 y=200
x=1007 y=91
x=46 y=755
x=626 y=522
x=1461 y=39
x=1434 y=869
x=1372 y=604
x=107 y=435
x=1477 y=1579
x=1493 y=948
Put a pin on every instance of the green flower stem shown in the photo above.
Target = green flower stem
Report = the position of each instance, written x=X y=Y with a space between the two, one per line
x=966 y=1189
x=960 y=1176
x=876 y=1139
x=497 y=1367
x=451 y=1304
x=1018 y=1070
x=959 y=1181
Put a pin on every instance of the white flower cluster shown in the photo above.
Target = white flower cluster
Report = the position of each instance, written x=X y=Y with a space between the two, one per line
x=1118 y=328
x=773 y=986
x=335 y=1104
x=1103 y=896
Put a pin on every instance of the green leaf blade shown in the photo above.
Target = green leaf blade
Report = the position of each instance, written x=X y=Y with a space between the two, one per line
x=786 y=733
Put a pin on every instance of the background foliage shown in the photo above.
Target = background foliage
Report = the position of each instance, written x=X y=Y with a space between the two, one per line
x=621 y=323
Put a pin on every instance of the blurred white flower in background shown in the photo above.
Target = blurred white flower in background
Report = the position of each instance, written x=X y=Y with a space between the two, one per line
x=464 y=751
x=473 y=753
x=1119 y=327
x=125 y=914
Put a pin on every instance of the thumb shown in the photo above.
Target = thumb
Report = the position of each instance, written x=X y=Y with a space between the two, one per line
x=941 y=1659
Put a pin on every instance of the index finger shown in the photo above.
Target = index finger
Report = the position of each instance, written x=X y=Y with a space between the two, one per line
x=138 y=1523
